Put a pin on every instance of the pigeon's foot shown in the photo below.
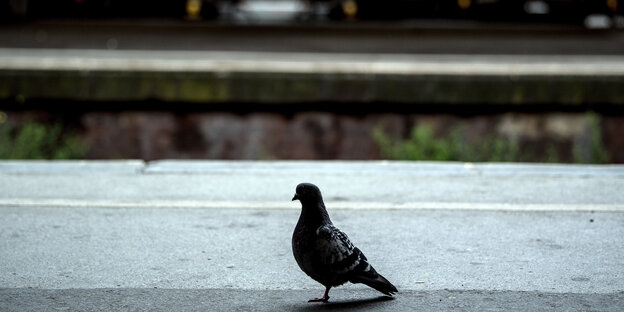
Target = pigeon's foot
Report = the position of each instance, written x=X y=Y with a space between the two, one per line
x=323 y=299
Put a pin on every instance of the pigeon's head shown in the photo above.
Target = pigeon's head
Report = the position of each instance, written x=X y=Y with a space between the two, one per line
x=307 y=192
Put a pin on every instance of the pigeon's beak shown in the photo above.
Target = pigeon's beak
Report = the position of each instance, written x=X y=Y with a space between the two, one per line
x=296 y=196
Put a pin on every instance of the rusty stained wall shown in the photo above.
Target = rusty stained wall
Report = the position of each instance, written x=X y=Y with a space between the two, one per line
x=321 y=135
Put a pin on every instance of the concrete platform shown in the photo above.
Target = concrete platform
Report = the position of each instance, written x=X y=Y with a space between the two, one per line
x=216 y=235
x=286 y=77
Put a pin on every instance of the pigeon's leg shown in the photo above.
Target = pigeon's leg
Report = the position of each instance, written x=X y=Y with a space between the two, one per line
x=324 y=298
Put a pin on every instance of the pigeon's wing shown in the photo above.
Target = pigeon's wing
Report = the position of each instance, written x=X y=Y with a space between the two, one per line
x=340 y=257
x=336 y=252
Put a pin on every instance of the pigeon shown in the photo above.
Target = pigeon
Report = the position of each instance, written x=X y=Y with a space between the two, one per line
x=325 y=253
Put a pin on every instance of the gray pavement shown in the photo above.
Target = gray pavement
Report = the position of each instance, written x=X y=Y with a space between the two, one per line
x=346 y=184
x=216 y=235
x=188 y=248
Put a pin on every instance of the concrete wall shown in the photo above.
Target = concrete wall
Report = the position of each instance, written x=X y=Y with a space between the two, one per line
x=324 y=135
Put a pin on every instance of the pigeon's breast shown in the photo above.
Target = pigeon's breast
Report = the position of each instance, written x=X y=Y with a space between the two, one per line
x=303 y=251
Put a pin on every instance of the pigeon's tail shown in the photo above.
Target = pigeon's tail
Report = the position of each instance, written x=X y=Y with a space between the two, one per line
x=377 y=281
x=382 y=285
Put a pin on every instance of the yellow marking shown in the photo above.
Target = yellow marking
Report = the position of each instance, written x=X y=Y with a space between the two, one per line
x=349 y=8
x=464 y=4
x=193 y=8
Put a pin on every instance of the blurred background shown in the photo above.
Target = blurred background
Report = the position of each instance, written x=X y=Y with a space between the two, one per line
x=464 y=80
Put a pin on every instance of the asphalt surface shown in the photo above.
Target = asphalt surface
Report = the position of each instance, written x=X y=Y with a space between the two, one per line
x=221 y=248
x=176 y=235
x=441 y=37
x=294 y=300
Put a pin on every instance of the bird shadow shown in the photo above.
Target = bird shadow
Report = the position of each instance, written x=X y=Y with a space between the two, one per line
x=345 y=304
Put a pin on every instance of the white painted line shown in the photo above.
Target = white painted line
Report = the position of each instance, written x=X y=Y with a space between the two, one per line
x=304 y=63
x=72 y=166
x=332 y=205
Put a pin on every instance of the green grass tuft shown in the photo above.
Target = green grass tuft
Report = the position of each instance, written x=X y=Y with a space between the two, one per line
x=422 y=144
x=35 y=140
